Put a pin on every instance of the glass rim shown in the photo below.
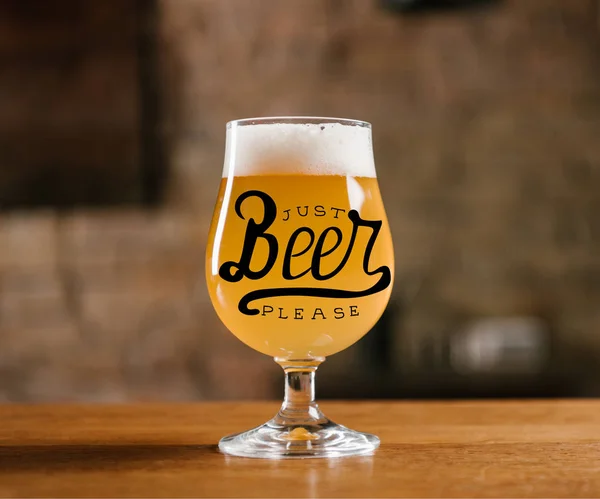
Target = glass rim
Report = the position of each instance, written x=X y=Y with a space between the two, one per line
x=298 y=120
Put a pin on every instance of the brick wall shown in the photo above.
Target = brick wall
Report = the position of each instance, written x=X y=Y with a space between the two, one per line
x=69 y=120
x=486 y=127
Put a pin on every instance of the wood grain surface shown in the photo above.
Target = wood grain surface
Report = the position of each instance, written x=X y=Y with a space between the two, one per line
x=429 y=449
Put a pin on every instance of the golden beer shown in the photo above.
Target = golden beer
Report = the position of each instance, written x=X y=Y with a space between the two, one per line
x=299 y=265
x=315 y=207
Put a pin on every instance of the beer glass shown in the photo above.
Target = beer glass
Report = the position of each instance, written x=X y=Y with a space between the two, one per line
x=299 y=265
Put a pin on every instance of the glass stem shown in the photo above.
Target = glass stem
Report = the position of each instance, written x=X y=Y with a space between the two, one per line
x=299 y=406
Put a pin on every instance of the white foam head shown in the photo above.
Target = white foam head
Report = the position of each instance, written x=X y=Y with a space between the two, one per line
x=298 y=146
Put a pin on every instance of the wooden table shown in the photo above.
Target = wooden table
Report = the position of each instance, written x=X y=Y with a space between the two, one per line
x=429 y=449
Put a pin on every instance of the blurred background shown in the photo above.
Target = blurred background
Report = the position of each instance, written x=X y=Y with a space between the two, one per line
x=486 y=120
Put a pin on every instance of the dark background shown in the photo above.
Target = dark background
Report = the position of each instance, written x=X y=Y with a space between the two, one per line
x=486 y=121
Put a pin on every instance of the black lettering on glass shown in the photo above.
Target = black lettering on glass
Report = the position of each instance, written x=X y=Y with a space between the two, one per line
x=235 y=271
x=320 y=211
x=298 y=313
x=305 y=210
x=319 y=253
x=287 y=212
x=337 y=210
x=318 y=311
x=339 y=312
x=354 y=311
x=281 y=314
x=267 y=309
x=287 y=259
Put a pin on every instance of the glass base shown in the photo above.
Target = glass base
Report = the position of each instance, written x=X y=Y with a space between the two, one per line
x=274 y=440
